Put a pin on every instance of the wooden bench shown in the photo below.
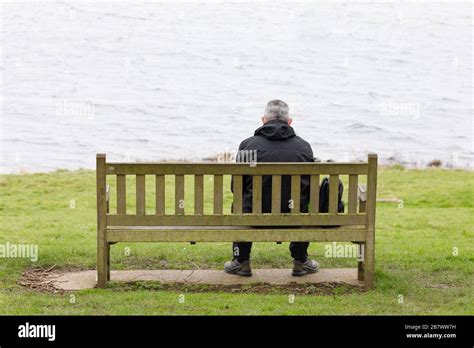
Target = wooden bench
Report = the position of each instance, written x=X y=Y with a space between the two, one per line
x=356 y=225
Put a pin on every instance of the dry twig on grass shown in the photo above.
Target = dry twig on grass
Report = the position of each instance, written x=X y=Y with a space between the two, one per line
x=39 y=279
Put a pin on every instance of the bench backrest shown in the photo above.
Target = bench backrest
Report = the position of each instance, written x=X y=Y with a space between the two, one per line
x=354 y=214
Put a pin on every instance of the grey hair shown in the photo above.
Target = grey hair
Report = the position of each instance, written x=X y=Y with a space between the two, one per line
x=277 y=110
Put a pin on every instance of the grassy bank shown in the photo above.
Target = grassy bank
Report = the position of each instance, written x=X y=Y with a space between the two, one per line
x=424 y=252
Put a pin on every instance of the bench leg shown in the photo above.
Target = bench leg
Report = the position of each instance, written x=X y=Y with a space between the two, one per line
x=369 y=250
x=369 y=264
x=102 y=244
x=108 y=261
x=360 y=264
x=102 y=264
x=360 y=271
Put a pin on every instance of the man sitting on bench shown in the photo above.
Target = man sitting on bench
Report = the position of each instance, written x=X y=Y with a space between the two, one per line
x=275 y=141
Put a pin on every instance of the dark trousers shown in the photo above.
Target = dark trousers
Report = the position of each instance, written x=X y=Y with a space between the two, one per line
x=298 y=250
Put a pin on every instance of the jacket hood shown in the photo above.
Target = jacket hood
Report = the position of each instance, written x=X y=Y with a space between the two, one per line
x=276 y=130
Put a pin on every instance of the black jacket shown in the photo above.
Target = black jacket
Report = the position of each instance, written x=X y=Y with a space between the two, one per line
x=276 y=141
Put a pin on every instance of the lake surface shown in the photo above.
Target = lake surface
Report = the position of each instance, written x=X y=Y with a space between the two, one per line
x=162 y=80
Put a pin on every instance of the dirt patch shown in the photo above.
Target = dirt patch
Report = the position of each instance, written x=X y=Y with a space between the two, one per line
x=40 y=280
x=43 y=279
x=326 y=289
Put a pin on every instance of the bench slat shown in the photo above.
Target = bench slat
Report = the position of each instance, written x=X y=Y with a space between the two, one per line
x=333 y=193
x=283 y=168
x=198 y=194
x=314 y=194
x=121 y=194
x=160 y=194
x=276 y=194
x=257 y=194
x=237 y=188
x=218 y=194
x=295 y=193
x=342 y=234
x=140 y=194
x=353 y=182
x=179 y=194
x=238 y=220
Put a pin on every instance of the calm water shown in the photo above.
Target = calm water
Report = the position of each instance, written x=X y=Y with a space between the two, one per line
x=158 y=80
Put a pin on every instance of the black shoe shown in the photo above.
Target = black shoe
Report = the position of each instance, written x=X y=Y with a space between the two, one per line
x=302 y=268
x=235 y=267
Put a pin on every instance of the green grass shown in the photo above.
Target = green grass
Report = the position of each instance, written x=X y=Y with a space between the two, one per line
x=414 y=252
